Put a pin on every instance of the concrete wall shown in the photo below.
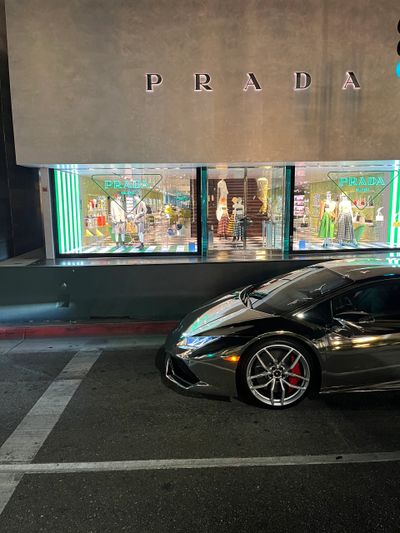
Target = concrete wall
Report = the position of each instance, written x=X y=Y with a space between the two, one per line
x=141 y=292
x=20 y=217
x=78 y=80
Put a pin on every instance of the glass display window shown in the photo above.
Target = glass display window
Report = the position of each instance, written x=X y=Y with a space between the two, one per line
x=126 y=211
x=346 y=207
x=245 y=209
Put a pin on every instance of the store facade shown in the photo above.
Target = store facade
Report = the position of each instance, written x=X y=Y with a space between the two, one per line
x=251 y=212
x=261 y=130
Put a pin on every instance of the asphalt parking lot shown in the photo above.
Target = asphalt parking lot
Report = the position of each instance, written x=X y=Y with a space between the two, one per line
x=92 y=440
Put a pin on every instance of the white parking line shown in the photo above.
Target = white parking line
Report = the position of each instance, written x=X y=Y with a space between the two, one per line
x=213 y=462
x=27 y=439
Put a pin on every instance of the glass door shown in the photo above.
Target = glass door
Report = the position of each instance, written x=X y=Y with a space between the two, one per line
x=245 y=211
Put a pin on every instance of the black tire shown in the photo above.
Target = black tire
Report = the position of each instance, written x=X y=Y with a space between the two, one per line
x=255 y=391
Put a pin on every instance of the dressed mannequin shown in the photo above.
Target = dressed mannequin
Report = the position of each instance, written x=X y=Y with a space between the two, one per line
x=262 y=194
x=267 y=225
x=379 y=217
x=327 y=219
x=345 y=229
x=223 y=223
x=139 y=218
x=118 y=219
x=238 y=215
x=222 y=198
x=379 y=225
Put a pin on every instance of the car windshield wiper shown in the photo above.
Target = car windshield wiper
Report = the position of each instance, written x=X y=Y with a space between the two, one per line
x=309 y=295
x=318 y=290
x=299 y=301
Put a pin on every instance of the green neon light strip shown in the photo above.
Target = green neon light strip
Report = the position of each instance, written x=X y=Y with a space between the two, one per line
x=69 y=213
x=71 y=204
x=60 y=222
x=397 y=203
x=69 y=223
x=394 y=208
x=77 y=212
x=390 y=217
x=57 y=202
x=75 y=208
x=62 y=199
x=63 y=210
x=78 y=203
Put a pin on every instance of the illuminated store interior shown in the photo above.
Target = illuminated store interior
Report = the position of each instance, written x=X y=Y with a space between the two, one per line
x=227 y=211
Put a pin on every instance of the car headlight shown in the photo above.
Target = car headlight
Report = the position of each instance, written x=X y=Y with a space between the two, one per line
x=195 y=342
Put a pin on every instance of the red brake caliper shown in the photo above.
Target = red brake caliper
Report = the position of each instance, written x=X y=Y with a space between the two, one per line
x=295 y=370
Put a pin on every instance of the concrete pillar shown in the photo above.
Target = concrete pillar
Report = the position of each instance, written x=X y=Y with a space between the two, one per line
x=47 y=212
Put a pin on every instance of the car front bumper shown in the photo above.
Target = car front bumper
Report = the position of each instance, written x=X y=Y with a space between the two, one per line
x=212 y=373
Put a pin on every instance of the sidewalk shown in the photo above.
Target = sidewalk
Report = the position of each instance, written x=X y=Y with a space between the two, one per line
x=84 y=329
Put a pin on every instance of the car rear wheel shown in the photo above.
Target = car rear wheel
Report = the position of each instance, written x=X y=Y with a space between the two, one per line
x=275 y=374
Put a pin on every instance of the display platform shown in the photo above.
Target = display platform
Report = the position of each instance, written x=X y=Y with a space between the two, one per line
x=129 y=249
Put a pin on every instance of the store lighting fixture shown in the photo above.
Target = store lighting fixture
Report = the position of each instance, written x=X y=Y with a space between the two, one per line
x=68 y=200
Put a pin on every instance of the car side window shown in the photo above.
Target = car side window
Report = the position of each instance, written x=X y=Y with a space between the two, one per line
x=320 y=314
x=377 y=299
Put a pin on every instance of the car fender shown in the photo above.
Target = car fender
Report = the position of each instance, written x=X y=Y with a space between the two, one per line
x=297 y=338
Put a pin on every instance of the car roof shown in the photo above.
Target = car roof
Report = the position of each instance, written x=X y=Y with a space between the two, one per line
x=364 y=268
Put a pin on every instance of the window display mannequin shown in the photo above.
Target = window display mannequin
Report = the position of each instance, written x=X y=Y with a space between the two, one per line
x=222 y=198
x=327 y=219
x=139 y=218
x=379 y=225
x=262 y=194
x=267 y=226
x=345 y=229
x=238 y=216
x=223 y=224
x=379 y=217
x=118 y=219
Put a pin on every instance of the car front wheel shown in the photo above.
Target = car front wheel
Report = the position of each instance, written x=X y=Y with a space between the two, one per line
x=275 y=374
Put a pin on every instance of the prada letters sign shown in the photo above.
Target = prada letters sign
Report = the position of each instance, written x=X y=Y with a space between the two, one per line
x=202 y=81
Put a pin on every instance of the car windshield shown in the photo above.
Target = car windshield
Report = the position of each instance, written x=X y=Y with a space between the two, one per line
x=291 y=291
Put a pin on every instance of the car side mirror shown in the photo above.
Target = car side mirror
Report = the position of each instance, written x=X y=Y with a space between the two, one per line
x=355 y=317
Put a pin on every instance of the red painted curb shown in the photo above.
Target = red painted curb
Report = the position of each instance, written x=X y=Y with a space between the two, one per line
x=85 y=330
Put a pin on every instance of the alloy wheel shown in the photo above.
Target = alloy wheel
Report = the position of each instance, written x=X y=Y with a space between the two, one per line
x=278 y=375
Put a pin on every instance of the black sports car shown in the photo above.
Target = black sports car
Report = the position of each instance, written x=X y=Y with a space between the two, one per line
x=334 y=326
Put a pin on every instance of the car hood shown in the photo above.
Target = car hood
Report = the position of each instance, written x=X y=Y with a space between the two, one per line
x=225 y=311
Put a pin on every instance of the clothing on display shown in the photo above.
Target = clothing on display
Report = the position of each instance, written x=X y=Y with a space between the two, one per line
x=327 y=227
x=238 y=229
x=268 y=233
x=138 y=215
x=379 y=225
x=118 y=219
x=238 y=215
x=231 y=226
x=345 y=231
x=223 y=225
x=262 y=194
x=222 y=198
x=327 y=219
